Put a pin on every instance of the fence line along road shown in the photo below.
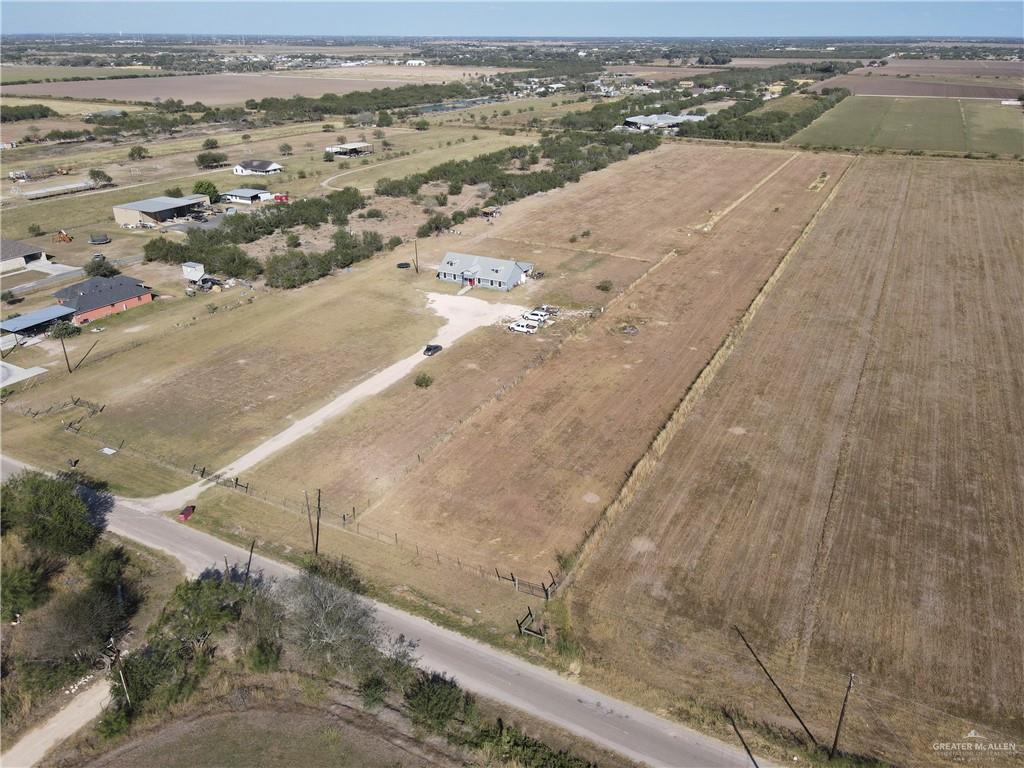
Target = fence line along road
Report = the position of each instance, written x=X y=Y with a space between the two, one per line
x=44 y=282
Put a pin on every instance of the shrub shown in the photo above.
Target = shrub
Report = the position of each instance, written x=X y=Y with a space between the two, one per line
x=455 y=187
x=438 y=222
x=442 y=199
x=423 y=380
x=211 y=144
x=434 y=700
x=174 y=192
x=421 y=125
x=573 y=238
x=301 y=173
x=35 y=230
x=328 y=157
x=138 y=153
x=458 y=217
x=373 y=690
x=100 y=268
x=64 y=329
x=98 y=176
x=210 y=159
x=604 y=285
x=285 y=149
x=292 y=241
x=393 y=242
x=48 y=513
x=373 y=213
x=7 y=296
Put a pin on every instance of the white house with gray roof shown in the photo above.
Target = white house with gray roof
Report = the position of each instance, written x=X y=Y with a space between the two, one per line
x=482 y=271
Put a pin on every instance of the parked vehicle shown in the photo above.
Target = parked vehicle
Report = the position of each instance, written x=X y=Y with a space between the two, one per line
x=99 y=239
x=547 y=308
x=186 y=513
x=523 y=326
x=536 y=317
x=432 y=349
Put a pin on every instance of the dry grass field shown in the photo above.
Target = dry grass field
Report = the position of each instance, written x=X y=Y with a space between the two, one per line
x=875 y=83
x=18 y=72
x=660 y=73
x=849 y=488
x=625 y=371
x=924 y=124
x=182 y=384
x=217 y=90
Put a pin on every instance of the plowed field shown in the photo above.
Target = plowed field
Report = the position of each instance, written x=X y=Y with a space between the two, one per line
x=850 y=490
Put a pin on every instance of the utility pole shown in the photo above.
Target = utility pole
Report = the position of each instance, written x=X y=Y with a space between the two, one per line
x=248 y=565
x=309 y=519
x=728 y=716
x=316 y=543
x=416 y=255
x=66 y=361
x=842 y=714
x=124 y=685
x=86 y=354
x=764 y=669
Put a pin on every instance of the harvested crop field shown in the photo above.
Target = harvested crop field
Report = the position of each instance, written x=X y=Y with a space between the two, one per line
x=768 y=61
x=429 y=74
x=1011 y=70
x=19 y=72
x=849 y=488
x=874 y=84
x=934 y=125
x=575 y=424
x=217 y=90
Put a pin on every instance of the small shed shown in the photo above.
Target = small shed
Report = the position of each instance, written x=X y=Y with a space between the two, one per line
x=15 y=254
x=193 y=271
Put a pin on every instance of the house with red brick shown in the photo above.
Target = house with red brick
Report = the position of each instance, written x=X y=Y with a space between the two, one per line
x=100 y=297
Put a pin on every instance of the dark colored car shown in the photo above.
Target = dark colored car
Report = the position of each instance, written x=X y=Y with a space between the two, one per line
x=99 y=239
x=187 y=512
x=403 y=265
x=432 y=349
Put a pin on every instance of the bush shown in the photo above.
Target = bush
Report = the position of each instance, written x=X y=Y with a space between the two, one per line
x=99 y=268
x=138 y=153
x=328 y=157
x=458 y=217
x=393 y=242
x=211 y=144
x=64 y=329
x=455 y=187
x=48 y=513
x=7 y=296
x=35 y=230
x=285 y=149
x=604 y=285
x=210 y=159
x=423 y=380
x=336 y=570
x=22 y=587
x=174 y=192
x=434 y=700
x=292 y=241
x=438 y=222
x=373 y=690
x=421 y=125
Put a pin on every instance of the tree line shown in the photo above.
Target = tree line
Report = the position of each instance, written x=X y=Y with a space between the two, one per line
x=13 y=114
x=741 y=122
x=572 y=154
x=309 y=108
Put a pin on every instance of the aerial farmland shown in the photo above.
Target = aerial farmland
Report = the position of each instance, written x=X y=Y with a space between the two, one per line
x=757 y=391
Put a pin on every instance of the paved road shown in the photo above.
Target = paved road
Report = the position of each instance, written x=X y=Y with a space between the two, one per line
x=614 y=724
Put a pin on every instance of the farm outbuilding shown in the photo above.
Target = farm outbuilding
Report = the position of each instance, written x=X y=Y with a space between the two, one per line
x=100 y=297
x=34 y=323
x=15 y=255
x=483 y=271
x=351 y=149
x=257 y=168
x=246 y=195
x=155 y=210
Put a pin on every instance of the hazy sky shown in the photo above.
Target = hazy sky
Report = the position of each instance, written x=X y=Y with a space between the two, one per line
x=511 y=19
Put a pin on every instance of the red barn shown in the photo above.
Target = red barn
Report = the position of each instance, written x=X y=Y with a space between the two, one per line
x=100 y=297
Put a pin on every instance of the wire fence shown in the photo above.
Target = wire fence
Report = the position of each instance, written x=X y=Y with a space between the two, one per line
x=347 y=520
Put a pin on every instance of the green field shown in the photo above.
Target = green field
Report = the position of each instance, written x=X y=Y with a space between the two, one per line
x=791 y=104
x=14 y=73
x=926 y=124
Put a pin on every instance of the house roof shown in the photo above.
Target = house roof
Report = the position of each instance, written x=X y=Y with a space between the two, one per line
x=159 y=204
x=15 y=249
x=349 y=145
x=32 y=319
x=657 y=121
x=259 y=165
x=483 y=267
x=100 y=292
x=243 y=192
